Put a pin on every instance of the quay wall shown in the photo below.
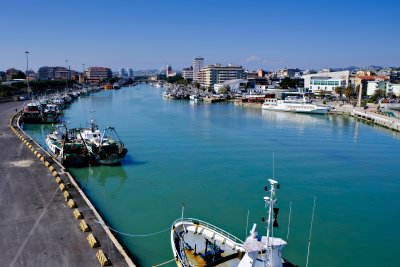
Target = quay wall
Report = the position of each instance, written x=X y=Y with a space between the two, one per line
x=86 y=216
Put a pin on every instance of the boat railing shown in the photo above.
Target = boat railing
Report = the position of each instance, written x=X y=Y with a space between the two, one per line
x=211 y=227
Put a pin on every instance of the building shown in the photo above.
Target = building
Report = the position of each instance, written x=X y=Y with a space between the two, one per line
x=212 y=74
x=97 y=74
x=169 y=71
x=2 y=75
x=325 y=84
x=55 y=73
x=236 y=85
x=11 y=73
x=283 y=73
x=129 y=72
x=198 y=64
x=187 y=73
x=326 y=76
x=122 y=72
x=362 y=82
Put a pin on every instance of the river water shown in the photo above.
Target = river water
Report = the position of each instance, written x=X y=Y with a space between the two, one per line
x=216 y=159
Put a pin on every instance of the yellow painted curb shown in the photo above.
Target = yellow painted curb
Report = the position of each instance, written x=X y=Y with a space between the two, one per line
x=58 y=180
x=84 y=227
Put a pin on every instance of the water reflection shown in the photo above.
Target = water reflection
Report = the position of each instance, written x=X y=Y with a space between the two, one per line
x=111 y=178
x=277 y=116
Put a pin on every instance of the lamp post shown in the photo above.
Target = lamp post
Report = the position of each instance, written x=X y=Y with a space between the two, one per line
x=26 y=74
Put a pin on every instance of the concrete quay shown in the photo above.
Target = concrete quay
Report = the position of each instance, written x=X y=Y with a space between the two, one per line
x=369 y=114
x=45 y=218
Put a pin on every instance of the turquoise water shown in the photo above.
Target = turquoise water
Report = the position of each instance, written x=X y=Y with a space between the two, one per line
x=216 y=160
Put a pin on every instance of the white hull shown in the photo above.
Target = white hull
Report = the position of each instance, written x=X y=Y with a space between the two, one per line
x=294 y=106
x=188 y=242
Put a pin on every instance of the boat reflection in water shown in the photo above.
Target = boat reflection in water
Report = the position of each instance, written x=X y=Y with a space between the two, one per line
x=110 y=178
x=298 y=118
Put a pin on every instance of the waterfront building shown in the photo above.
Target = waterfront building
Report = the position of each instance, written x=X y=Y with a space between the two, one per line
x=212 y=74
x=122 y=72
x=236 y=85
x=362 y=82
x=326 y=84
x=328 y=76
x=97 y=74
x=198 y=64
x=380 y=84
x=2 y=75
x=55 y=73
x=187 y=73
x=129 y=72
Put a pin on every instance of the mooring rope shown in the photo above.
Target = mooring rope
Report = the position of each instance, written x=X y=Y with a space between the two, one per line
x=132 y=235
x=163 y=263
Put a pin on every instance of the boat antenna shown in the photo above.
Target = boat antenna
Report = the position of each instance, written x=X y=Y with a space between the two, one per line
x=247 y=222
x=288 y=228
x=309 y=238
x=183 y=209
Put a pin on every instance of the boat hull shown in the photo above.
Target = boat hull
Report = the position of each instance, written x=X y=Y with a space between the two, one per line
x=190 y=248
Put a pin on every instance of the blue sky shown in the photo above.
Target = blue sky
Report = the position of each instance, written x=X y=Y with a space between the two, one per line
x=150 y=34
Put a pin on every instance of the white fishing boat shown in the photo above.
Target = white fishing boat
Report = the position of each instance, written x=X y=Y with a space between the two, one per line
x=198 y=243
x=196 y=97
x=294 y=105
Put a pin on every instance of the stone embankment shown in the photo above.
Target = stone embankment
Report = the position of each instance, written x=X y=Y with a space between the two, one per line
x=45 y=218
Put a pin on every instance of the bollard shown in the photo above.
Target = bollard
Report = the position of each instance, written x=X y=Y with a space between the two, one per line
x=92 y=241
x=102 y=258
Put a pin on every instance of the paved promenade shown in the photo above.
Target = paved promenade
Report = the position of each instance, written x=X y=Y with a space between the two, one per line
x=37 y=227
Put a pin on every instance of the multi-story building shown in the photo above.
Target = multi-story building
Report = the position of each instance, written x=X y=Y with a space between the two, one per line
x=212 y=74
x=326 y=84
x=328 y=77
x=55 y=73
x=198 y=64
x=2 y=75
x=122 y=72
x=187 y=73
x=362 y=81
x=97 y=74
x=129 y=72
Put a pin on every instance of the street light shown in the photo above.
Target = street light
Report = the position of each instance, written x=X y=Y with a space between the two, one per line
x=27 y=78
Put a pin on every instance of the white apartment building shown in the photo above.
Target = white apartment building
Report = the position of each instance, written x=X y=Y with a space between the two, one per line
x=187 y=73
x=198 y=64
x=333 y=76
x=327 y=84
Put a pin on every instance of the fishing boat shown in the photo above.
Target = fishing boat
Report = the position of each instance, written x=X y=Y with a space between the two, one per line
x=32 y=112
x=198 y=243
x=105 y=146
x=51 y=113
x=108 y=86
x=66 y=148
x=196 y=97
x=294 y=105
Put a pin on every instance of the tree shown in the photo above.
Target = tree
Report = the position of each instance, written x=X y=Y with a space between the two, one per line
x=339 y=91
x=19 y=75
x=348 y=91
x=288 y=83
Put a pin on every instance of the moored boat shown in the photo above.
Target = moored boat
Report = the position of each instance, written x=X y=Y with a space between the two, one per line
x=32 y=113
x=198 y=243
x=105 y=146
x=51 y=113
x=67 y=149
x=294 y=105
